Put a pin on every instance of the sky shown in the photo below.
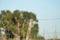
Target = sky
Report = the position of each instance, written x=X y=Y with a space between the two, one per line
x=47 y=12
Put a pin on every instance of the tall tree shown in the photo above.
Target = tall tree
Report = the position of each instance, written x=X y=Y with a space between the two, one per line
x=30 y=17
x=6 y=20
x=2 y=24
x=17 y=18
x=18 y=22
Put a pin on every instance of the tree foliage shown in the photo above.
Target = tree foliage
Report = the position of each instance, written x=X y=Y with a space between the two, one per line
x=8 y=20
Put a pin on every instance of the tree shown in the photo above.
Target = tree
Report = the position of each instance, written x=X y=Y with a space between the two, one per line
x=6 y=20
x=19 y=23
x=30 y=17
x=2 y=25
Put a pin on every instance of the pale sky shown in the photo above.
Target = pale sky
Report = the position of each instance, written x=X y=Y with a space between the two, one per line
x=47 y=11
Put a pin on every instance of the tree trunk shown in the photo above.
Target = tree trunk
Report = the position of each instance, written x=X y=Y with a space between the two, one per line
x=4 y=37
x=29 y=29
x=18 y=25
x=18 y=28
x=23 y=33
x=17 y=36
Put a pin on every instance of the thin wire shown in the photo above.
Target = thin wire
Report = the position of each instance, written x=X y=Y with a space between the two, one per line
x=51 y=19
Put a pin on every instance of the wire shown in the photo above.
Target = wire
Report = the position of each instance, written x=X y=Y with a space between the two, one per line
x=50 y=19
